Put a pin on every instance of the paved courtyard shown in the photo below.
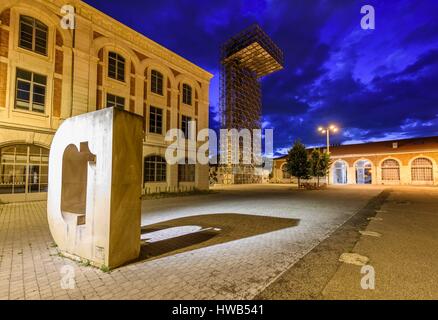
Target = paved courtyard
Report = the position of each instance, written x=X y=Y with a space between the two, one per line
x=231 y=244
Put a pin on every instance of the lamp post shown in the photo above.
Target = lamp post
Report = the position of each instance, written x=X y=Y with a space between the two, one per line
x=326 y=131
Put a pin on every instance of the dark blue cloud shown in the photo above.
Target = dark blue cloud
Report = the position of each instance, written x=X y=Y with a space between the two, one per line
x=375 y=84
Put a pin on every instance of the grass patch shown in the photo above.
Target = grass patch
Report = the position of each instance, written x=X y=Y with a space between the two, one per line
x=85 y=263
x=160 y=195
x=104 y=268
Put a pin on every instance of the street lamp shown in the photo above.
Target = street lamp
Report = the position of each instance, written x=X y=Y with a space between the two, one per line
x=326 y=131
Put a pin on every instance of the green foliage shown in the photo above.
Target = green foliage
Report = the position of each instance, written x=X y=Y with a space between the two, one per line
x=85 y=262
x=297 y=162
x=319 y=164
x=104 y=268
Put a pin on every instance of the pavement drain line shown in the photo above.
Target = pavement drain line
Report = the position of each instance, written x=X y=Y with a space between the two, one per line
x=384 y=194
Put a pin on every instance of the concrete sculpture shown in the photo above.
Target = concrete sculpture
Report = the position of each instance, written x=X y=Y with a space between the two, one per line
x=94 y=191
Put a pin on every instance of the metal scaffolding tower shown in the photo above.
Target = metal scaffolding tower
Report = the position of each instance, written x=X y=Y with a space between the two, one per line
x=245 y=58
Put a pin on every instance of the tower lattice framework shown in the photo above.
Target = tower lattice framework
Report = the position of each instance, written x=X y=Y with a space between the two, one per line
x=245 y=59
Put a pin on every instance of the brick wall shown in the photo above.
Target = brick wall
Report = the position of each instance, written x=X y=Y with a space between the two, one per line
x=4 y=34
x=59 y=59
x=57 y=97
x=4 y=42
x=3 y=80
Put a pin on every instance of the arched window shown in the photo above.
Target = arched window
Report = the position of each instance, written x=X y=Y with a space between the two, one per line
x=187 y=94
x=422 y=170
x=154 y=169
x=390 y=170
x=156 y=82
x=116 y=66
x=340 y=172
x=186 y=172
x=286 y=174
x=23 y=169
x=33 y=35
x=363 y=172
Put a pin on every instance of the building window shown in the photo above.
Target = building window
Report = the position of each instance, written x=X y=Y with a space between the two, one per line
x=30 y=93
x=23 y=169
x=186 y=172
x=422 y=170
x=156 y=82
x=116 y=66
x=340 y=172
x=154 y=169
x=155 y=120
x=390 y=170
x=185 y=120
x=33 y=35
x=364 y=172
x=187 y=94
x=115 y=101
x=286 y=174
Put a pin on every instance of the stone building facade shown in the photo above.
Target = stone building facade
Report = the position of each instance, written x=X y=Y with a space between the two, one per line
x=48 y=73
x=399 y=162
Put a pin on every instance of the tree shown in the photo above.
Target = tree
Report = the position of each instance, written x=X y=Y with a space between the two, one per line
x=297 y=162
x=319 y=164
x=326 y=163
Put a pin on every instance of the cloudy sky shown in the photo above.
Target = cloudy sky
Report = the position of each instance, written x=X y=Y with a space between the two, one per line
x=377 y=84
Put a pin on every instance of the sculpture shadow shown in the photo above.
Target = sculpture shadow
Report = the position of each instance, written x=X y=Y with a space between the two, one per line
x=195 y=232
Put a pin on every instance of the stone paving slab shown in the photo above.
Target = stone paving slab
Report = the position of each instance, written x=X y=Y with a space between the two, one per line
x=233 y=264
x=404 y=258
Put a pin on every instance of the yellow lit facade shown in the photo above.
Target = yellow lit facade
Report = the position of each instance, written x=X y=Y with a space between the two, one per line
x=48 y=74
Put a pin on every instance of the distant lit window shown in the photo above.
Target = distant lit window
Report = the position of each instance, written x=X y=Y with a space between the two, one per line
x=155 y=120
x=115 y=101
x=422 y=170
x=390 y=170
x=23 y=169
x=187 y=94
x=33 y=35
x=286 y=173
x=116 y=66
x=156 y=82
x=340 y=172
x=185 y=120
x=30 y=91
x=155 y=169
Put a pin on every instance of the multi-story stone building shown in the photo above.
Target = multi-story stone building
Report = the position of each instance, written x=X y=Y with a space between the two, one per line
x=48 y=73
x=397 y=162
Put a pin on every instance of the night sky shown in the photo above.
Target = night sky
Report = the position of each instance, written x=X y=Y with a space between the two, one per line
x=377 y=84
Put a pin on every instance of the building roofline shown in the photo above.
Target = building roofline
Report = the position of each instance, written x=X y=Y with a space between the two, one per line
x=370 y=143
x=83 y=10
x=380 y=142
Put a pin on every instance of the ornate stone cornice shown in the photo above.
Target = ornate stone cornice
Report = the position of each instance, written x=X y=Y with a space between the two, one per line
x=113 y=26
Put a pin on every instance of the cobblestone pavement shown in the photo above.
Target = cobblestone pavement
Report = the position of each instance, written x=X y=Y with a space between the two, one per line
x=228 y=245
